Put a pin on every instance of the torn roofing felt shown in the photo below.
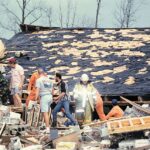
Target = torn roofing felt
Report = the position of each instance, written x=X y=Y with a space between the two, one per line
x=117 y=60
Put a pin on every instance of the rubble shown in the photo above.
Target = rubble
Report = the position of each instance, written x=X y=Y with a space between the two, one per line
x=133 y=112
x=71 y=53
x=111 y=134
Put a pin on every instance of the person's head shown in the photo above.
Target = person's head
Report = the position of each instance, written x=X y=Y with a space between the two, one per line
x=12 y=62
x=58 y=77
x=41 y=71
x=114 y=102
x=84 y=79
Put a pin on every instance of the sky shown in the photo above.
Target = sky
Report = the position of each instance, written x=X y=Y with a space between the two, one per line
x=85 y=9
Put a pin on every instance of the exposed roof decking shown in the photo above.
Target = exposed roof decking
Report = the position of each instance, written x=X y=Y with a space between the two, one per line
x=117 y=60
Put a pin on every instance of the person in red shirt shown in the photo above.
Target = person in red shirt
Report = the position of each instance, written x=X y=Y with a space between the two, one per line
x=116 y=111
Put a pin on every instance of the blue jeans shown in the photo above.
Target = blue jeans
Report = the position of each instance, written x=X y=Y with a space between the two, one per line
x=63 y=104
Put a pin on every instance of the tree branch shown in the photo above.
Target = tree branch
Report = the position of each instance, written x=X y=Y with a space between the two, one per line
x=19 y=4
x=30 y=12
x=36 y=19
x=11 y=12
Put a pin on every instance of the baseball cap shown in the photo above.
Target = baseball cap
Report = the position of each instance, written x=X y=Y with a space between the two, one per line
x=12 y=60
x=114 y=101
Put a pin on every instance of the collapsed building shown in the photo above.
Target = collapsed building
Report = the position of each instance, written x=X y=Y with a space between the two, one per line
x=117 y=61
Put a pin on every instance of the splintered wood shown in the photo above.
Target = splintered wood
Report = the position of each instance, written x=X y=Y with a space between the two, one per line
x=129 y=125
x=137 y=106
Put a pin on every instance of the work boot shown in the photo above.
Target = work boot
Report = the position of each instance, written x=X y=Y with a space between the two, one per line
x=54 y=124
x=69 y=123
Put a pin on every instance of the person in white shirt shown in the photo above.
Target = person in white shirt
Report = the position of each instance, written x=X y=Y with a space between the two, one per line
x=44 y=90
x=17 y=81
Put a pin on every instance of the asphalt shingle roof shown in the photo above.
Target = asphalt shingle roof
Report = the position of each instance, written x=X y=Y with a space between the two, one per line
x=117 y=60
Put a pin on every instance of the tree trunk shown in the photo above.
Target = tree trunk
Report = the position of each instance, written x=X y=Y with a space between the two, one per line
x=97 y=12
x=23 y=11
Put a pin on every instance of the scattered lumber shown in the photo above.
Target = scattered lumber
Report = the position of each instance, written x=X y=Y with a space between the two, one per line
x=137 y=106
x=129 y=125
x=99 y=123
x=2 y=129
x=73 y=137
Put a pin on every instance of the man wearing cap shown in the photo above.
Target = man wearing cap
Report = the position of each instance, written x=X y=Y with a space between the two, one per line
x=116 y=111
x=87 y=99
x=17 y=81
x=44 y=90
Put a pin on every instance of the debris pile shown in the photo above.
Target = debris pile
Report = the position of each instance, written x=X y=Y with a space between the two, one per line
x=130 y=132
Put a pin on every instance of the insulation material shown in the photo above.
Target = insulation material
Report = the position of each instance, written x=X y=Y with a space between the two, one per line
x=107 y=79
x=74 y=63
x=61 y=68
x=78 y=31
x=80 y=44
x=73 y=70
x=119 y=69
x=130 y=80
x=68 y=36
x=129 y=53
x=57 y=62
x=92 y=54
x=148 y=62
x=103 y=72
x=142 y=71
x=72 y=51
x=103 y=63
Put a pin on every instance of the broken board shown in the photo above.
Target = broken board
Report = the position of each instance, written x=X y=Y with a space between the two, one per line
x=129 y=125
x=137 y=106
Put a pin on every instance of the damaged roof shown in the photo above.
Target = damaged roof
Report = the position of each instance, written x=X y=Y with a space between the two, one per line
x=117 y=60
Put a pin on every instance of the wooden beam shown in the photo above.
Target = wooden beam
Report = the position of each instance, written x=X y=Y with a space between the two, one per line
x=2 y=129
x=135 y=124
x=137 y=106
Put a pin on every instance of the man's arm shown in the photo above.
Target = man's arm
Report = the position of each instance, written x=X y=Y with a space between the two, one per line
x=22 y=76
x=37 y=85
x=75 y=92
x=22 y=81
x=60 y=96
x=63 y=92
x=37 y=93
x=32 y=80
x=110 y=114
x=10 y=85
x=53 y=91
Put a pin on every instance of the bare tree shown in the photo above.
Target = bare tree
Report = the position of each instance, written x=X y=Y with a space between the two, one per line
x=27 y=13
x=74 y=9
x=60 y=15
x=97 y=12
x=68 y=13
x=126 y=13
x=48 y=15
x=85 y=21
x=67 y=18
